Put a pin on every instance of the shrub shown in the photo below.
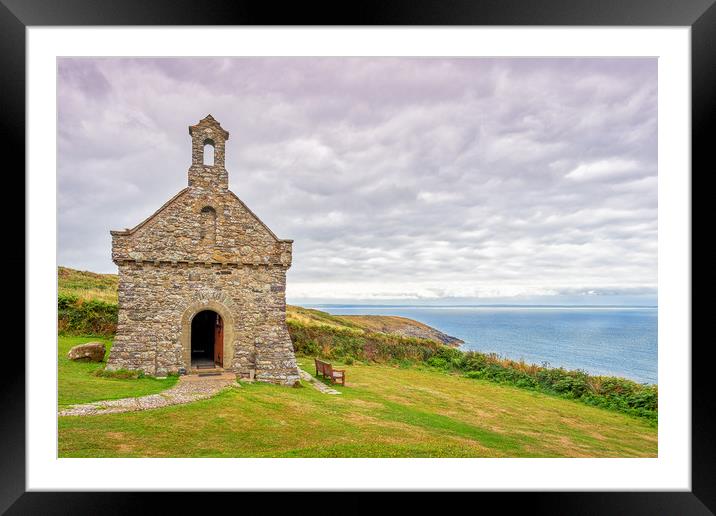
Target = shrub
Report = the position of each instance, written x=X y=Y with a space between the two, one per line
x=472 y=361
x=572 y=384
x=438 y=362
x=307 y=347
x=76 y=316
x=448 y=354
x=646 y=398
x=65 y=301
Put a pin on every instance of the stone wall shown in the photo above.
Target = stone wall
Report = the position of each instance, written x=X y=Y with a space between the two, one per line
x=157 y=303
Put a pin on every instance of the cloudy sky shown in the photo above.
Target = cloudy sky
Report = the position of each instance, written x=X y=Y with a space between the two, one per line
x=408 y=180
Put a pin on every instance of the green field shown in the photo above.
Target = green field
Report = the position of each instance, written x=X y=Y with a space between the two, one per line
x=384 y=411
x=77 y=384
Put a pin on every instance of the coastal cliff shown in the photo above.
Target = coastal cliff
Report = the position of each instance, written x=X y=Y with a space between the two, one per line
x=403 y=327
x=385 y=324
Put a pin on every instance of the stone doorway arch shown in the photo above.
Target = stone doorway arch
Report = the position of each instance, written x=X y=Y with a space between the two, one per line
x=228 y=330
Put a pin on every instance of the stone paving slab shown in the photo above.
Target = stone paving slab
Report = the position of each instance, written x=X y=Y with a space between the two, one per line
x=188 y=388
x=318 y=385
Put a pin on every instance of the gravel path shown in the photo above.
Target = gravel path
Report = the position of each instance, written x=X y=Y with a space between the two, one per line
x=188 y=388
x=318 y=385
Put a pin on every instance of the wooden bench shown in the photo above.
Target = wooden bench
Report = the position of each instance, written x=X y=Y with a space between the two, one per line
x=326 y=370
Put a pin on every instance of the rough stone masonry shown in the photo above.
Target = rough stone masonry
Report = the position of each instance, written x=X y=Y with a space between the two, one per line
x=203 y=250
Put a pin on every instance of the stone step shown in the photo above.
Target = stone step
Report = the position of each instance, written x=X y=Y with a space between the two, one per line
x=223 y=376
x=198 y=370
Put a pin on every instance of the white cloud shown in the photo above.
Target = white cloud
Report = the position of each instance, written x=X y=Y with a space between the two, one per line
x=604 y=169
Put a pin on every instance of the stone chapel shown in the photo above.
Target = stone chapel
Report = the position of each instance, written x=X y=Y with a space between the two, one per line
x=202 y=281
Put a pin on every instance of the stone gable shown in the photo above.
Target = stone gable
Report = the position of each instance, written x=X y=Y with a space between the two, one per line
x=203 y=251
x=202 y=225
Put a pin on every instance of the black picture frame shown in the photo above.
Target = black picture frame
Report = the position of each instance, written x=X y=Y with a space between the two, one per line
x=16 y=15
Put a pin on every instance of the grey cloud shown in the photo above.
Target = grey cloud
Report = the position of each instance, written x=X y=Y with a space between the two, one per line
x=428 y=177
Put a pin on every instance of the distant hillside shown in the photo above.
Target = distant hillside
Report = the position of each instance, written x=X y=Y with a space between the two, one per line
x=91 y=286
x=387 y=324
x=87 y=285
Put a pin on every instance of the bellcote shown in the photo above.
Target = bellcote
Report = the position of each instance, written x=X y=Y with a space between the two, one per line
x=208 y=149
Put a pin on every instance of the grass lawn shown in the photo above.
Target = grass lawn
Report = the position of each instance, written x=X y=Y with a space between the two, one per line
x=76 y=384
x=384 y=411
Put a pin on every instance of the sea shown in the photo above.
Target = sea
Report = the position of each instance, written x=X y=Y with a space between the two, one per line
x=614 y=341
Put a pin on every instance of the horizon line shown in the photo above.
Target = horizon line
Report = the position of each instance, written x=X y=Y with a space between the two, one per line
x=489 y=305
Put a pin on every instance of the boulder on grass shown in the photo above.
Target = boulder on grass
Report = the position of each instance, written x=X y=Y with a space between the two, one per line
x=91 y=351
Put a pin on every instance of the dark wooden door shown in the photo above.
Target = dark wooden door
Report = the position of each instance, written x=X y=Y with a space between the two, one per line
x=219 y=342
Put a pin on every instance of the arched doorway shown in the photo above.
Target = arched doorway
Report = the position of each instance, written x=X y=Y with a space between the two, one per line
x=207 y=340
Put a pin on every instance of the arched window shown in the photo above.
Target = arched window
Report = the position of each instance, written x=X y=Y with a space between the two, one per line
x=208 y=225
x=209 y=152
